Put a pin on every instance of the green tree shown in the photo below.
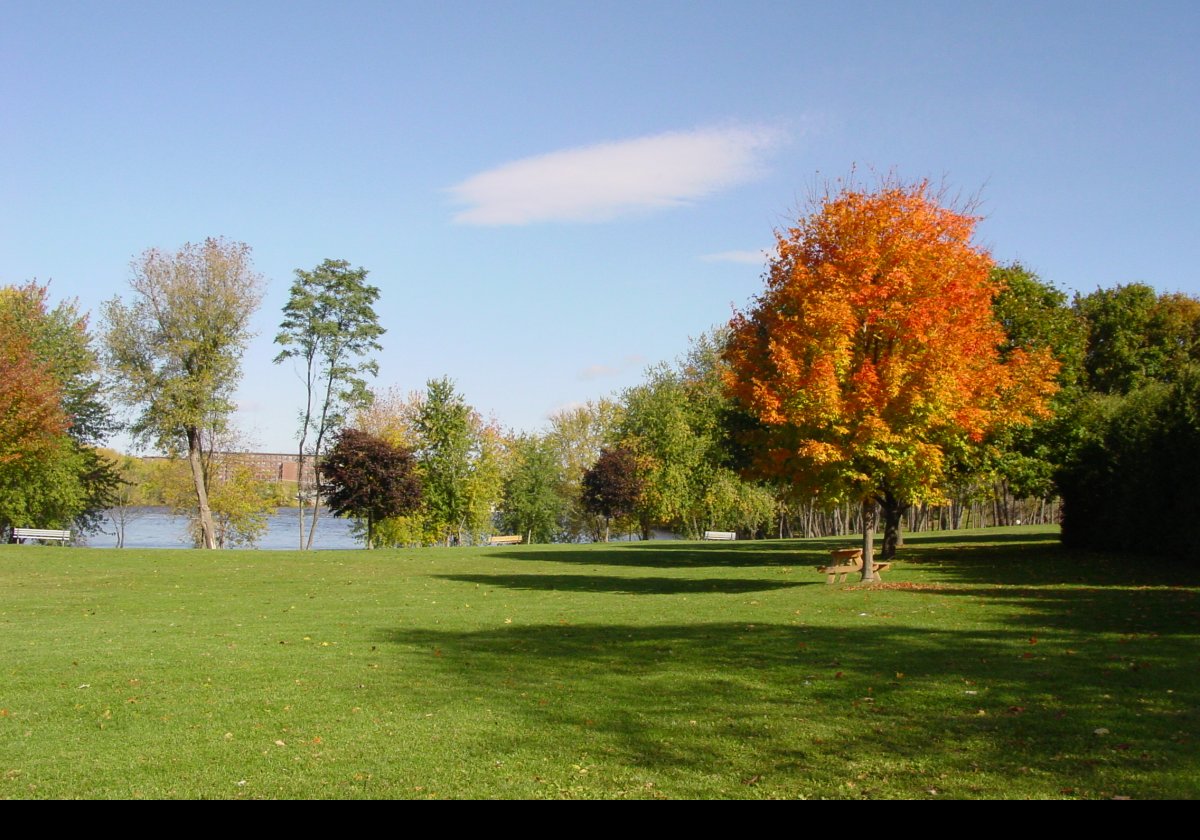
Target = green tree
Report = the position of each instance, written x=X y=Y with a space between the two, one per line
x=679 y=424
x=49 y=355
x=239 y=502
x=577 y=436
x=369 y=479
x=489 y=464
x=444 y=426
x=1136 y=336
x=462 y=464
x=1129 y=483
x=533 y=502
x=329 y=327
x=176 y=349
x=660 y=426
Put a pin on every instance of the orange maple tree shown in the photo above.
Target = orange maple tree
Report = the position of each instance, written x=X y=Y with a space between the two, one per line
x=874 y=352
x=31 y=416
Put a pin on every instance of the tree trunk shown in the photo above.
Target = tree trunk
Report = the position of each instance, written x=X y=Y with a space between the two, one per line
x=312 y=521
x=868 y=520
x=208 y=533
x=300 y=490
x=893 y=515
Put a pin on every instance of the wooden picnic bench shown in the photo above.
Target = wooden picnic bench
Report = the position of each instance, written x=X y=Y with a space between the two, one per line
x=848 y=560
x=22 y=534
x=720 y=535
x=512 y=539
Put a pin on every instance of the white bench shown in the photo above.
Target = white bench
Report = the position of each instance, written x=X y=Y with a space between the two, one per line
x=720 y=535
x=23 y=534
x=514 y=539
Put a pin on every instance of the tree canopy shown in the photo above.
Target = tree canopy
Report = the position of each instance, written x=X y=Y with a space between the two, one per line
x=874 y=351
x=329 y=328
x=612 y=487
x=52 y=414
x=370 y=479
x=176 y=348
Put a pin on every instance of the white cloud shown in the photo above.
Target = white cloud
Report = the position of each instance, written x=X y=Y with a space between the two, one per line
x=598 y=371
x=597 y=183
x=747 y=257
x=602 y=371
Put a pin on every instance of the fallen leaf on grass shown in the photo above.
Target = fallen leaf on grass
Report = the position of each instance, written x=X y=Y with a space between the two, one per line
x=911 y=587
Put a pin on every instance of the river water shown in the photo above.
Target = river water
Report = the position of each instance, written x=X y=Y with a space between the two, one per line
x=155 y=527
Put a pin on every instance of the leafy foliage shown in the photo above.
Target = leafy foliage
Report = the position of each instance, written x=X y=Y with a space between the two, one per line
x=612 y=487
x=241 y=503
x=329 y=326
x=31 y=415
x=874 y=354
x=1136 y=336
x=577 y=436
x=369 y=479
x=1135 y=462
x=461 y=459
x=176 y=349
x=52 y=412
x=533 y=502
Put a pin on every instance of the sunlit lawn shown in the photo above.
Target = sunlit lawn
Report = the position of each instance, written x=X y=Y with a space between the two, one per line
x=991 y=664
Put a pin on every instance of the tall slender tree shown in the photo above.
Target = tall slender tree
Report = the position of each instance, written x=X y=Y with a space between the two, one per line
x=329 y=329
x=176 y=348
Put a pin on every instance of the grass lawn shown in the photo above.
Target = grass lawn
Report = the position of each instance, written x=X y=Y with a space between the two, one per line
x=991 y=664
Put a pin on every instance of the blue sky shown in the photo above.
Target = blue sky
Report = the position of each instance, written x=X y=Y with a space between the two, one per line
x=553 y=195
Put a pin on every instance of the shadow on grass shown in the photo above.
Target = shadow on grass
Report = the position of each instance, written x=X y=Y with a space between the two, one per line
x=686 y=555
x=996 y=536
x=801 y=710
x=1035 y=559
x=625 y=585
x=682 y=554
x=1159 y=611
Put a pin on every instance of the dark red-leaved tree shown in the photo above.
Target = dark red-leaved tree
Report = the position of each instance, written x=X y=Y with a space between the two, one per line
x=370 y=479
x=612 y=487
